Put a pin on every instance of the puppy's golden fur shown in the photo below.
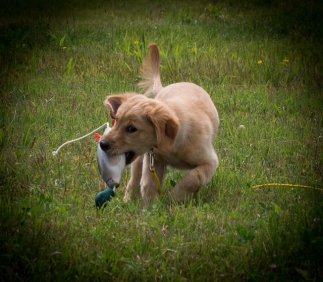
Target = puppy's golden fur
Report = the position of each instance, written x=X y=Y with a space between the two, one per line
x=179 y=124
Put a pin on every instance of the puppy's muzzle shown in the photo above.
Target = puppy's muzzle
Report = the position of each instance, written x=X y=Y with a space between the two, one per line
x=105 y=145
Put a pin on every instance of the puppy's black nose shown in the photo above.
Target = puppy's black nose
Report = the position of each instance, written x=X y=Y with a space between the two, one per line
x=105 y=145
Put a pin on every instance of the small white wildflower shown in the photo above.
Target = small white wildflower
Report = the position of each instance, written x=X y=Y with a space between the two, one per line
x=273 y=266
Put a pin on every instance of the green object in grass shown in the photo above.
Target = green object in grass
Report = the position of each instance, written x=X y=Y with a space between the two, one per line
x=102 y=198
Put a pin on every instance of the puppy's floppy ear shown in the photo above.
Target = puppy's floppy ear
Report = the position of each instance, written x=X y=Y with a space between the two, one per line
x=114 y=102
x=166 y=125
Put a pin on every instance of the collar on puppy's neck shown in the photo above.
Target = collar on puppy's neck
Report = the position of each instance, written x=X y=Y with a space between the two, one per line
x=151 y=156
x=152 y=170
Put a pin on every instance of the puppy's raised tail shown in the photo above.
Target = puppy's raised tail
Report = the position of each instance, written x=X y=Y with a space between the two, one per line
x=150 y=83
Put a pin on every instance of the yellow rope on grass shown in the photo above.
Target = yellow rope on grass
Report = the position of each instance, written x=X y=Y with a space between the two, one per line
x=284 y=185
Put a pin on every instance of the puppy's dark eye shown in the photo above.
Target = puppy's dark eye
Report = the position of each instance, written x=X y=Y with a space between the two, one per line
x=131 y=129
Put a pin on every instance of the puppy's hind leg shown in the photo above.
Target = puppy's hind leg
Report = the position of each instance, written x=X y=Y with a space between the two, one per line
x=194 y=179
x=133 y=185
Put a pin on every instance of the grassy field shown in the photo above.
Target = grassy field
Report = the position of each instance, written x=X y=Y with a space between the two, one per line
x=262 y=64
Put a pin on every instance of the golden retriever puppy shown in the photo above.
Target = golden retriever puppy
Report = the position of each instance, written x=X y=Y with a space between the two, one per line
x=179 y=124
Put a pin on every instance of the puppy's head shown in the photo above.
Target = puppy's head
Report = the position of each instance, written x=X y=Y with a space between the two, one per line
x=140 y=124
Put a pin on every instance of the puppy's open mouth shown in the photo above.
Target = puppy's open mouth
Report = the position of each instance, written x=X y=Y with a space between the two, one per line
x=130 y=156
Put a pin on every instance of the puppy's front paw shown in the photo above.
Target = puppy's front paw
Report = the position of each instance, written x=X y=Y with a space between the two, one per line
x=149 y=193
x=127 y=198
x=130 y=195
